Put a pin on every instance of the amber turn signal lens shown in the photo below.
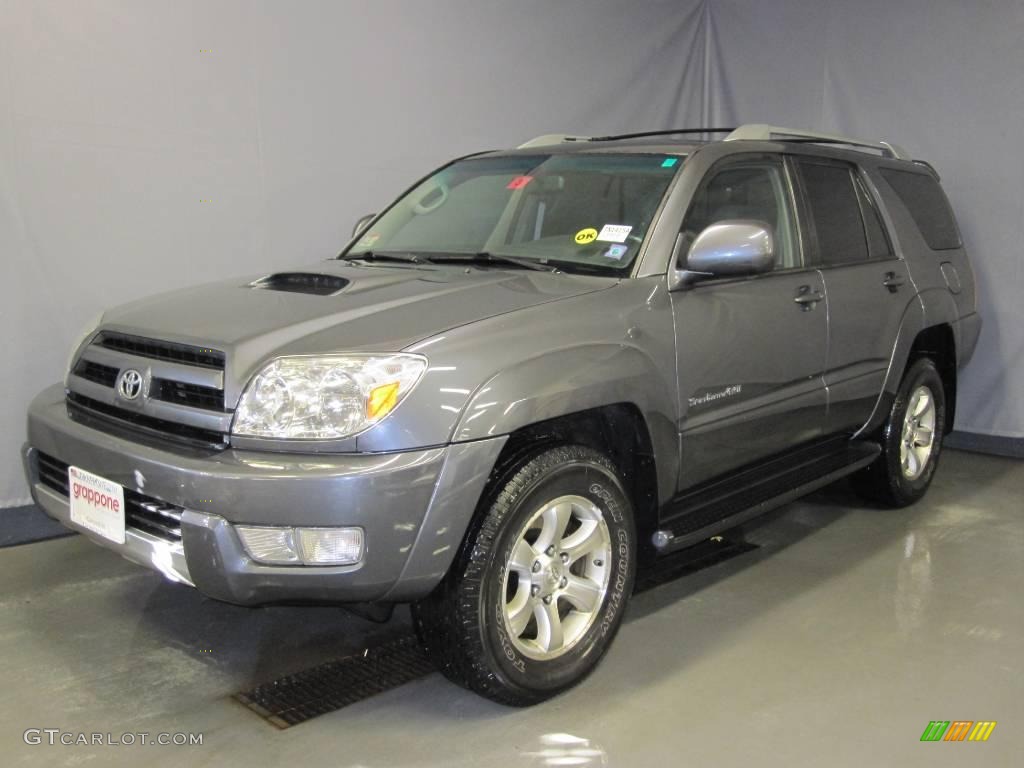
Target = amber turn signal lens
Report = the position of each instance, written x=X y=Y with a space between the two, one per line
x=382 y=399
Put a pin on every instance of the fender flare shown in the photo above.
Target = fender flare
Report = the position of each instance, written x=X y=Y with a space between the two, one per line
x=561 y=382
x=928 y=308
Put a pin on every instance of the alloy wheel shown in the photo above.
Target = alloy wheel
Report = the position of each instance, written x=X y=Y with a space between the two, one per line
x=918 y=438
x=557 y=577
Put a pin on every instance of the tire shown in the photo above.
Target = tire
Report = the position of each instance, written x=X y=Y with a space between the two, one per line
x=490 y=624
x=902 y=473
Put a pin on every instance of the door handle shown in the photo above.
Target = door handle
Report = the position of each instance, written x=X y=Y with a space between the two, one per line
x=807 y=298
x=892 y=281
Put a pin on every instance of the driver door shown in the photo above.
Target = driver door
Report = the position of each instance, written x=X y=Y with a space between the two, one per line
x=750 y=358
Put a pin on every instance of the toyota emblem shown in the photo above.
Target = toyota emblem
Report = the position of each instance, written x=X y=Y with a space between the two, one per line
x=129 y=384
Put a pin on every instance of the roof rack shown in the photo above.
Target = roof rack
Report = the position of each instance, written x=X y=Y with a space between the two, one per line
x=668 y=132
x=557 y=138
x=551 y=138
x=750 y=132
x=762 y=132
x=928 y=166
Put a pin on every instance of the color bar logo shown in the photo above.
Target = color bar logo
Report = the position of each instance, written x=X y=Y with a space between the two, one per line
x=958 y=730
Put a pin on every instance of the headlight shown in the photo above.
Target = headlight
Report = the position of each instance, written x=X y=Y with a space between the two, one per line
x=325 y=397
x=87 y=331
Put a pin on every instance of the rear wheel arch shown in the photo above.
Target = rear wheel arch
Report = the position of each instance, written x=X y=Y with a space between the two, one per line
x=924 y=332
x=911 y=439
x=938 y=344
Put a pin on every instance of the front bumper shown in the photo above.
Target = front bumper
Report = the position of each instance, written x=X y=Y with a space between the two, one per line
x=413 y=506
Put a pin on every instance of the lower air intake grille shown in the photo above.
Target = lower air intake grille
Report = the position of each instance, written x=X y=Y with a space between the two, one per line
x=153 y=516
x=53 y=473
x=143 y=513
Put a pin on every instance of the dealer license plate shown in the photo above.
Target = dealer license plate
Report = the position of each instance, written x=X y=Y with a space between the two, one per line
x=97 y=504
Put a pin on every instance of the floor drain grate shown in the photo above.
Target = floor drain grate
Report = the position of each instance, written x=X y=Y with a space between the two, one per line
x=296 y=698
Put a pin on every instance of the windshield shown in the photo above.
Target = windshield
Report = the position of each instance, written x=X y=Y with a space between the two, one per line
x=576 y=212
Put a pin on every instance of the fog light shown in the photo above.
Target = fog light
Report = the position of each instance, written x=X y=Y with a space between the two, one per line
x=269 y=545
x=302 y=546
x=329 y=546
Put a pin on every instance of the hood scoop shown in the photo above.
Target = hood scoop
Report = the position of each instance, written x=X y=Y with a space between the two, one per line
x=301 y=282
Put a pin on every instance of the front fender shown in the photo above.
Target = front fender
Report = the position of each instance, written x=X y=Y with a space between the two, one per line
x=564 y=381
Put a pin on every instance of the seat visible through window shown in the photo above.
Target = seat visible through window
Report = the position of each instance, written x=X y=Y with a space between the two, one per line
x=752 y=191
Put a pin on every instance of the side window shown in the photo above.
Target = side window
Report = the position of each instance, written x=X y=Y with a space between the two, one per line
x=748 y=188
x=835 y=207
x=878 y=242
x=927 y=204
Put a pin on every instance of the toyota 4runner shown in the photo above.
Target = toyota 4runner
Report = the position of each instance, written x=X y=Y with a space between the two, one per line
x=537 y=371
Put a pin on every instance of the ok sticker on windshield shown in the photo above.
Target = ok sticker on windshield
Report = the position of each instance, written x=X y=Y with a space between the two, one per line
x=585 y=236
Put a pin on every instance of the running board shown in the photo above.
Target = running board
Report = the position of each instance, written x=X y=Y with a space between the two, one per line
x=709 y=510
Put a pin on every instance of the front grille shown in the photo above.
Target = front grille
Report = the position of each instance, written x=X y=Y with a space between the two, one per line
x=183 y=396
x=167 y=390
x=80 y=405
x=142 y=512
x=192 y=395
x=101 y=374
x=162 y=350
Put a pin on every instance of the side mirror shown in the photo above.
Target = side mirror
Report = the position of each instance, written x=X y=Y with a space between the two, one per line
x=730 y=248
x=361 y=223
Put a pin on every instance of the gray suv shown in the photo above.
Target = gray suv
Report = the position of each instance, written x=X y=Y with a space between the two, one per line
x=538 y=371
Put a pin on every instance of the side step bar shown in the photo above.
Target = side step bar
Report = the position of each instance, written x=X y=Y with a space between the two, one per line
x=704 y=512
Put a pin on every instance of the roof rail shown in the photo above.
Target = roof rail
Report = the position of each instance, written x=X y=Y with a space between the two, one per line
x=667 y=132
x=557 y=138
x=762 y=132
x=551 y=138
x=928 y=166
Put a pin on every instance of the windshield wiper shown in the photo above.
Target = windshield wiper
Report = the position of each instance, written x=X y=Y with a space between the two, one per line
x=410 y=258
x=482 y=257
x=485 y=257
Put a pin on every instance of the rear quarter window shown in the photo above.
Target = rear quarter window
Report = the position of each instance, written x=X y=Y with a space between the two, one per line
x=835 y=210
x=928 y=207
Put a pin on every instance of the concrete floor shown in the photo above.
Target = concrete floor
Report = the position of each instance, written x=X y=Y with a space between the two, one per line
x=832 y=644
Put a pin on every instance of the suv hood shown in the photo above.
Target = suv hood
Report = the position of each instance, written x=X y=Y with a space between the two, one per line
x=338 y=306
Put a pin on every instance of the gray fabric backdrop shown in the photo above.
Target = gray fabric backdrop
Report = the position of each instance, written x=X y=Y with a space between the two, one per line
x=149 y=145
x=943 y=78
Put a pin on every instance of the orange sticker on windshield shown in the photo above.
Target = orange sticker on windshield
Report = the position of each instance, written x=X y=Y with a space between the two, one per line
x=585 y=236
